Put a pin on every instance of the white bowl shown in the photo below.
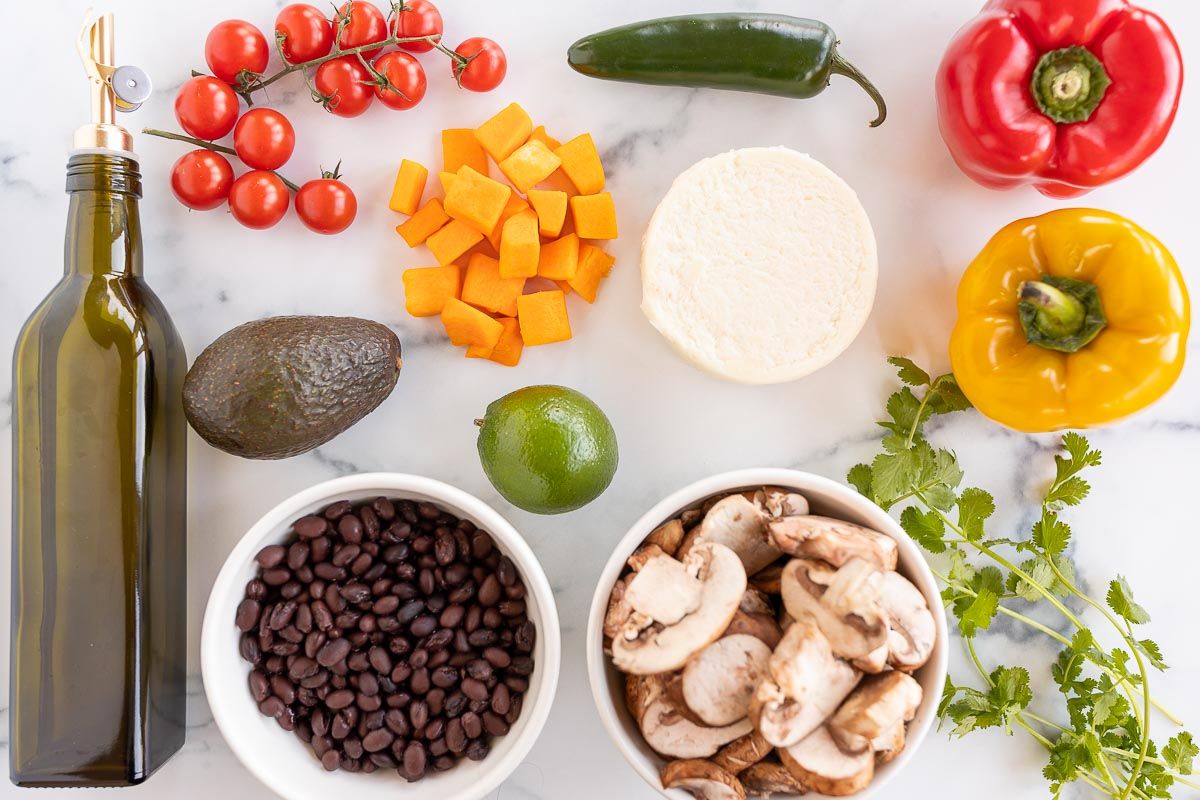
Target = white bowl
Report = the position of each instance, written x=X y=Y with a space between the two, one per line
x=826 y=497
x=282 y=761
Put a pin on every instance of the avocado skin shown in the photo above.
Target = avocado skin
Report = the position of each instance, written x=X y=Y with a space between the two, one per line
x=278 y=387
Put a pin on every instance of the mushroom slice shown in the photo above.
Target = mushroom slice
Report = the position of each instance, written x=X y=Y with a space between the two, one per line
x=755 y=618
x=719 y=681
x=667 y=536
x=737 y=523
x=875 y=661
x=663 y=646
x=743 y=753
x=806 y=685
x=770 y=777
x=832 y=540
x=767 y=580
x=663 y=589
x=821 y=766
x=690 y=518
x=874 y=709
x=844 y=603
x=644 y=554
x=889 y=745
x=669 y=730
x=911 y=627
x=779 y=502
x=703 y=779
x=618 y=611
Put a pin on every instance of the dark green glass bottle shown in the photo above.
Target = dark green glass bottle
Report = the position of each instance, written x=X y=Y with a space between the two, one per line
x=99 y=628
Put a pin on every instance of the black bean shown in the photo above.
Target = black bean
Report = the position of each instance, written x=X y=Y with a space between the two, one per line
x=351 y=528
x=282 y=688
x=423 y=625
x=335 y=510
x=472 y=725
x=474 y=689
x=477 y=751
x=525 y=636
x=380 y=661
x=260 y=685
x=282 y=615
x=333 y=652
x=247 y=615
x=489 y=591
x=303 y=667
x=272 y=707
x=310 y=527
x=418 y=713
x=276 y=577
x=271 y=556
x=414 y=761
x=378 y=740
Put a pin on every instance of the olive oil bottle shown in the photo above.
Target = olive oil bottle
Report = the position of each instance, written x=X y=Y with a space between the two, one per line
x=99 y=522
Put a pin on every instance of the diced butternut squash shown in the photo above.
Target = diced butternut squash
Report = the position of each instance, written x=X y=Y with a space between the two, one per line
x=529 y=165
x=505 y=132
x=515 y=205
x=508 y=349
x=409 y=186
x=563 y=286
x=581 y=163
x=428 y=289
x=459 y=147
x=594 y=266
x=484 y=288
x=467 y=325
x=421 y=225
x=539 y=134
x=476 y=199
x=520 y=246
x=543 y=317
x=480 y=350
x=454 y=239
x=559 y=259
x=594 y=215
x=551 y=208
x=447 y=180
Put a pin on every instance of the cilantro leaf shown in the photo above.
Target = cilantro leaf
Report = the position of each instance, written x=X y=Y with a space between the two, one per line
x=974 y=508
x=1179 y=752
x=1109 y=708
x=1051 y=534
x=859 y=477
x=903 y=407
x=946 y=397
x=1153 y=653
x=1120 y=600
x=975 y=613
x=1070 y=492
x=1041 y=575
x=925 y=527
x=1008 y=694
x=909 y=372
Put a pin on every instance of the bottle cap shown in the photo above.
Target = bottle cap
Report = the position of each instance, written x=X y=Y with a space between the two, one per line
x=113 y=88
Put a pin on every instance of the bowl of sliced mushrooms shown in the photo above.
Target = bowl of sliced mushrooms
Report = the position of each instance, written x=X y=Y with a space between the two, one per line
x=766 y=633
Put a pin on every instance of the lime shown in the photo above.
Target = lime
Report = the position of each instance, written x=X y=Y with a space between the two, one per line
x=547 y=449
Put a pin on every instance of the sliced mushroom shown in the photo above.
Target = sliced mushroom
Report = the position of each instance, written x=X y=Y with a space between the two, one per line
x=776 y=501
x=703 y=779
x=663 y=645
x=670 y=730
x=690 y=518
x=911 y=627
x=889 y=745
x=770 y=777
x=719 y=681
x=663 y=590
x=643 y=554
x=743 y=753
x=874 y=709
x=737 y=523
x=767 y=579
x=844 y=603
x=875 y=661
x=806 y=685
x=618 y=611
x=755 y=618
x=667 y=536
x=821 y=766
x=832 y=540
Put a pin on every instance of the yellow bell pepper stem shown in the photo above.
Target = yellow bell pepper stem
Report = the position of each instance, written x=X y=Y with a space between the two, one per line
x=1060 y=313
x=1056 y=312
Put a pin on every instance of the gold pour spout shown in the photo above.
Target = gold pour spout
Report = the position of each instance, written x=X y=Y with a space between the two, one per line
x=113 y=88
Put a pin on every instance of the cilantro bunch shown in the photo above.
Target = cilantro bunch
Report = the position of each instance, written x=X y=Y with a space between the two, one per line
x=1104 y=739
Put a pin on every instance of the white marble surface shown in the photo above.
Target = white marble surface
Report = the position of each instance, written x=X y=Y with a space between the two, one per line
x=675 y=424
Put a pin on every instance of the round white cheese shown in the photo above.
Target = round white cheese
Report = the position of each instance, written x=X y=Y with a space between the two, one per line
x=759 y=265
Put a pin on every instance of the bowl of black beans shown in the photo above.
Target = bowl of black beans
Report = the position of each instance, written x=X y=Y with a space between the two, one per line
x=381 y=636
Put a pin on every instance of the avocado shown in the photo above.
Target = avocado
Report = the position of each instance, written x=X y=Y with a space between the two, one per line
x=278 y=387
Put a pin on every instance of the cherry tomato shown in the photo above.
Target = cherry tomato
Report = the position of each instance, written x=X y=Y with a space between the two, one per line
x=234 y=46
x=306 y=33
x=406 y=77
x=346 y=85
x=201 y=179
x=258 y=199
x=366 y=26
x=419 y=18
x=206 y=107
x=485 y=69
x=264 y=139
x=326 y=205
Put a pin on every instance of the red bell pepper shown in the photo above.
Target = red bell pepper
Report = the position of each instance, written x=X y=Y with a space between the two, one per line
x=1064 y=94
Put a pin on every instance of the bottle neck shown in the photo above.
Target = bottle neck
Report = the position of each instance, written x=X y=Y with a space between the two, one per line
x=104 y=234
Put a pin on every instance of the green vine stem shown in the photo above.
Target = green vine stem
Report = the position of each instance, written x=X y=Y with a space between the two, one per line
x=216 y=148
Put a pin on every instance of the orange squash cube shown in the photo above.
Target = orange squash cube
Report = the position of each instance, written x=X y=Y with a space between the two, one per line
x=467 y=325
x=520 y=246
x=508 y=350
x=505 y=132
x=543 y=317
x=551 y=208
x=476 y=199
x=459 y=147
x=421 y=225
x=428 y=289
x=559 y=259
x=479 y=350
x=594 y=266
x=529 y=165
x=515 y=205
x=594 y=215
x=581 y=163
x=452 y=240
x=563 y=286
x=484 y=288
x=539 y=134
x=409 y=186
x=447 y=180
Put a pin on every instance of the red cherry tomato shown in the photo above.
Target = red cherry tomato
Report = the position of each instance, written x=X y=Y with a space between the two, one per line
x=235 y=46
x=366 y=26
x=264 y=139
x=346 y=85
x=206 y=107
x=406 y=77
x=201 y=179
x=305 y=33
x=419 y=18
x=485 y=69
x=258 y=199
x=326 y=205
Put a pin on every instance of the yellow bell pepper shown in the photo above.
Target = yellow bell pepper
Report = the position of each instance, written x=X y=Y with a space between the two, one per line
x=1072 y=319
